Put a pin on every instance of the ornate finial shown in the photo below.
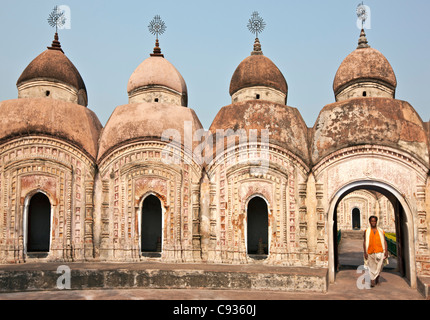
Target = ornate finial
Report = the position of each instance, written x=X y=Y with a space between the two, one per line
x=362 y=14
x=256 y=25
x=157 y=27
x=56 y=19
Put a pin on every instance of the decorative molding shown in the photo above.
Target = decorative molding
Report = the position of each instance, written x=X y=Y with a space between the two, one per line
x=372 y=150
x=141 y=150
x=276 y=156
x=45 y=147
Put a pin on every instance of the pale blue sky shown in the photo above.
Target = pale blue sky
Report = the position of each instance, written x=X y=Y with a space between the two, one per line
x=206 y=41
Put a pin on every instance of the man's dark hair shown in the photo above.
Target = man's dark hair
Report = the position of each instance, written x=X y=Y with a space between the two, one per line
x=375 y=217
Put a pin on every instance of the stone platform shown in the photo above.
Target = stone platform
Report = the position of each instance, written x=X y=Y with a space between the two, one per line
x=423 y=284
x=154 y=275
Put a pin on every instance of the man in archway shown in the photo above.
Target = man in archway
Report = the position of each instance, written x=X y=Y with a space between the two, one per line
x=375 y=250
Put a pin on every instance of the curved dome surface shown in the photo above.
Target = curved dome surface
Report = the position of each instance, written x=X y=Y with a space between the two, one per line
x=157 y=71
x=373 y=121
x=285 y=124
x=71 y=122
x=143 y=121
x=364 y=64
x=257 y=70
x=53 y=64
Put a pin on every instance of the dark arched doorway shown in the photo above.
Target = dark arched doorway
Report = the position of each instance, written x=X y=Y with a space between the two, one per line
x=356 y=219
x=39 y=224
x=257 y=227
x=151 y=225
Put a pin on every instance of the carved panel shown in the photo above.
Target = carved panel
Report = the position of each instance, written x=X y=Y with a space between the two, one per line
x=33 y=164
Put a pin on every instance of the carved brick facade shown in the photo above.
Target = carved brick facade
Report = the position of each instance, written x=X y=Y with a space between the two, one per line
x=97 y=180
x=129 y=175
x=43 y=164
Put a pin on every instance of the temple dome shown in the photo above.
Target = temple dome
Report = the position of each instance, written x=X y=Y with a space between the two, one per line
x=52 y=75
x=145 y=121
x=365 y=72
x=157 y=80
x=257 y=77
x=157 y=97
x=369 y=121
x=62 y=120
x=286 y=126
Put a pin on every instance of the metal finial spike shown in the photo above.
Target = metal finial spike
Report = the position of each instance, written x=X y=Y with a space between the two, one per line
x=57 y=18
x=362 y=13
x=157 y=27
x=256 y=24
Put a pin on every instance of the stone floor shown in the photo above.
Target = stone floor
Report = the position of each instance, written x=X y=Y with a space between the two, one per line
x=351 y=255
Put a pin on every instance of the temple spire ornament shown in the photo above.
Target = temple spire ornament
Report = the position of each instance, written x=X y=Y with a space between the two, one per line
x=362 y=15
x=256 y=25
x=56 y=19
x=157 y=27
x=362 y=41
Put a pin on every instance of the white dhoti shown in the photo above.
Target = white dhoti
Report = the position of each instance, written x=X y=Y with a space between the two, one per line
x=375 y=263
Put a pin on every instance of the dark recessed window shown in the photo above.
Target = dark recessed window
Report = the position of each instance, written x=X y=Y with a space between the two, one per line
x=156 y=100
x=258 y=227
x=39 y=224
x=258 y=96
x=364 y=94
x=48 y=93
x=151 y=225
x=356 y=219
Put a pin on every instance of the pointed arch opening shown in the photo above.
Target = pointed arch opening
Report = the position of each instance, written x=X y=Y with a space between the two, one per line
x=151 y=226
x=38 y=226
x=257 y=228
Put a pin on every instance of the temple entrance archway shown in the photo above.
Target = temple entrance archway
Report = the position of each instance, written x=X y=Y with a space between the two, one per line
x=403 y=225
